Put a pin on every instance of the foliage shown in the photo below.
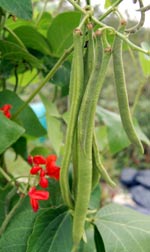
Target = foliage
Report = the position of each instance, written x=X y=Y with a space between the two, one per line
x=36 y=54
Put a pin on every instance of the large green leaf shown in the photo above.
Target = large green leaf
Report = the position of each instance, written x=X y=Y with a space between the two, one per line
x=18 y=55
x=44 y=23
x=123 y=229
x=117 y=137
x=145 y=60
x=31 y=38
x=54 y=123
x=52 y=232
x=89 y=244
x=9 y=132
x=61 y=30
x=26 y=118
x=22 y=9
x=17 y=232
x=98 y=241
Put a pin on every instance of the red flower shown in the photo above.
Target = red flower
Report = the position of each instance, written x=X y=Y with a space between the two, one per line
x=52 y=169
x=5 y=109
x=39 y=160
x=35 y=169
x=30 y=159
x=35 y=196
x=43 y=181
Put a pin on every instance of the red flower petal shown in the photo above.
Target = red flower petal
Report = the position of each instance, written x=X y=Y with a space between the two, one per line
x=54 y=173
x=38 y=194
x=35 y=204
x=39 y=159
x=50 y=159
x=35 y=169
x=43 y=182
x=30 y=159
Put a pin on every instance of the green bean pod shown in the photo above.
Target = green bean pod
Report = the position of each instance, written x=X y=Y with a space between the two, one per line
x=76 y=85
x=85 y=136
x=89 y=55
x=95 y=171
x=122 y=95
x=100 y=166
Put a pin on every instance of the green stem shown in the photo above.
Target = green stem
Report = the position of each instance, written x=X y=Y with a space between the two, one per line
x=16 y=37
x=6 y=176
x=46 y=79
x=124 y=38
x=77 y=6
x=10 y=215
x=111 y=9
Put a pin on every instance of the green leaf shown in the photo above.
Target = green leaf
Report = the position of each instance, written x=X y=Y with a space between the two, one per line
x=4 y=202
x=117 y=137
x=44 y=23
x=98 y=241
x=60 y=33
x=89 y=245
x=123 y=229
x=55 y=134
x=17 y=55
x=108 y=3
x=52 y=232
x=95 y=198
x=62 y=77
x=19 y=229
x=22 y=141
x=26 y=118
x=22 y=9
x=145 y=60
x=31 y=39
x=9 y=132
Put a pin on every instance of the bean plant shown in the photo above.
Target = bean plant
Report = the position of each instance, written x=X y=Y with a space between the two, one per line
x=51 y=174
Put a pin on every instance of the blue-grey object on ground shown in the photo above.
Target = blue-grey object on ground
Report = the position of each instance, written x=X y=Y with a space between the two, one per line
x=143 y=178
x=141 y=195
x=128 y=176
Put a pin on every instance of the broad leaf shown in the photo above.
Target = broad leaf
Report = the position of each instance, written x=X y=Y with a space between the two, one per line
x=60 y=33
x=95 y=198
x=89 y=244
x=31 y=39
x=44 y=23
x=52 y=232
x=117 y=137
x=26 y=118
x=17 y=55
x=98 y=241
x=22 y=9
x=145 y=60
x=9 y=132
x=123 y=229
x=19 y=229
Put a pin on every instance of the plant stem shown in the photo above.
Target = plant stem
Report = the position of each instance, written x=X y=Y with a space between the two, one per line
x=6 y=176
x=77 y=6
x=16 y=37
x=123 y=37
x=46 y=79
x=110 y=10
x=10 y=215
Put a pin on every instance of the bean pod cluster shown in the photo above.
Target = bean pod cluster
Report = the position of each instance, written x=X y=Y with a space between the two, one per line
x=89 y=67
